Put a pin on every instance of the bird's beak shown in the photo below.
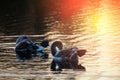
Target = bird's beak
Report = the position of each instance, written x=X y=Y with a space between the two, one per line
x=81 y=52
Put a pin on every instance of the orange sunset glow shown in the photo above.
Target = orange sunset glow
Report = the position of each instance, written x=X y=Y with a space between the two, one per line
x=102 y=15
x=72 y=7
x=42 y=40
x=100 y=11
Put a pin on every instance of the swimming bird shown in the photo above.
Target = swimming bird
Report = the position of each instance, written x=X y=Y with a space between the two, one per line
x=25 y=49
x=65 y=58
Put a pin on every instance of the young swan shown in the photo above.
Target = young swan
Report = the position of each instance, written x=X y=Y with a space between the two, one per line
x=65 y=58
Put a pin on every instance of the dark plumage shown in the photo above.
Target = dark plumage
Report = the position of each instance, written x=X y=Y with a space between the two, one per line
x=65 y=58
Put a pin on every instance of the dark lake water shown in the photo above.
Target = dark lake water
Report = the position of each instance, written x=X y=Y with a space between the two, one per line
x=93 y=26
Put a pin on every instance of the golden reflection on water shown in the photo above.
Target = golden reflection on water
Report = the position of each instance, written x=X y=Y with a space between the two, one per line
x=97 y=30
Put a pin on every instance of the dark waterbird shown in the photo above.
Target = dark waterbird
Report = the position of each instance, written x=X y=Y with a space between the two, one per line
x=66 y=58
x=26 y=49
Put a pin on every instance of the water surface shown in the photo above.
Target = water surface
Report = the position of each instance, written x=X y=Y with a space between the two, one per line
x=93 y=26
